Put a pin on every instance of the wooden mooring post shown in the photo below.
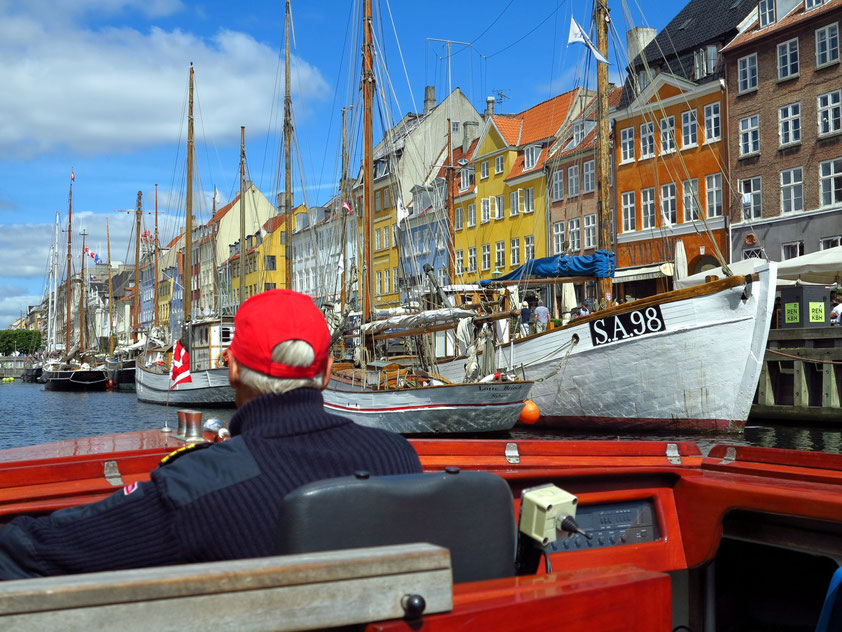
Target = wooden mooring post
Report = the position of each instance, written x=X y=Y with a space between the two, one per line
x=801 y=379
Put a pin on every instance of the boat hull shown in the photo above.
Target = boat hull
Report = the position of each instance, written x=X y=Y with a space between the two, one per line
x=207 y=389
x=81 y=380
x=448 y=409
x=698 y=373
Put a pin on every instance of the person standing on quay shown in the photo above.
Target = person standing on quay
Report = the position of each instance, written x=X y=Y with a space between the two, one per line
x=542 y=317
x=525 y=318
x=222 y=501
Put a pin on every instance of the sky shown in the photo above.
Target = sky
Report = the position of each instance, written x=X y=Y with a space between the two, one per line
x=99 y=88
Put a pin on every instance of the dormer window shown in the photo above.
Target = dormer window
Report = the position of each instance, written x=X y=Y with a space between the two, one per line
x=578 y=132
x=381 y=168
x=812 y=4
x=466 y=178
x=530 y=156
x=766 y=11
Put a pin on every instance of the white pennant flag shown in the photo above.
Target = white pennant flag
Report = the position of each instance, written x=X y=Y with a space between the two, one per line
x=402 y=212
x=578 y=35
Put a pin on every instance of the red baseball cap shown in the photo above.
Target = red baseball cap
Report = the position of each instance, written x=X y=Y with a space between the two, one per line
x=270 y=318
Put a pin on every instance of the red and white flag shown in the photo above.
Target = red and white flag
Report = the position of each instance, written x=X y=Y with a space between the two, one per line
x=72 y=175
x=180 y=370
x=347 y=207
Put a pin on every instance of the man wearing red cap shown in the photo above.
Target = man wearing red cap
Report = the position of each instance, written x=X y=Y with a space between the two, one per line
x=222 y=502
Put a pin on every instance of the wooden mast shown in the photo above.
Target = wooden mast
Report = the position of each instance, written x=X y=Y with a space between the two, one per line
x=242 y=214
x=69 y=260
x=136 y=319
x=155 y=258
x=451 y=212
x=110 y=294
x=82 y=298
x=603 y=186
x=343 y=196
x=368 y=166
x=187 y=301
x=287 y=158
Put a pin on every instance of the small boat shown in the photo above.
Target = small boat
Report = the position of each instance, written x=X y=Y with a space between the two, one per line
x=408 y=401
x=81 y=378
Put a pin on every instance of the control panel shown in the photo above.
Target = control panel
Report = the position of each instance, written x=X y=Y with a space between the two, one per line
x=611 y=524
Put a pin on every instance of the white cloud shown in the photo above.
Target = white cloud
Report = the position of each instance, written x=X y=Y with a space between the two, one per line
x=14 y=303
x=120 y=89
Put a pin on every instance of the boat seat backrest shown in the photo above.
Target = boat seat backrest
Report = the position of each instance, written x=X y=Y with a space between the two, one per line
x=831 y=616
x=470 y=513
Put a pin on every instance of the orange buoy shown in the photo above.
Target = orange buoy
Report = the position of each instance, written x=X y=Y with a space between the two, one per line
x=530 y=412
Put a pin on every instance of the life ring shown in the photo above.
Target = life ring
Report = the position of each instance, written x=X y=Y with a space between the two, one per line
x=751 y=239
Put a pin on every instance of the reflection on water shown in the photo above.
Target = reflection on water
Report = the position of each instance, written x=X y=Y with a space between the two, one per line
x=29 y=415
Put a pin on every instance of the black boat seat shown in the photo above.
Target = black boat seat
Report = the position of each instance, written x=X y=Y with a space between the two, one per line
x=831 y=616
x=470 y=513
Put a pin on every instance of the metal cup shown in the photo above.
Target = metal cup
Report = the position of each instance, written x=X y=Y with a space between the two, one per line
x=194 y=426
x=182 y=423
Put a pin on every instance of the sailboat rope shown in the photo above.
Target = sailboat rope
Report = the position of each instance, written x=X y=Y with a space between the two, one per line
x=562 y=363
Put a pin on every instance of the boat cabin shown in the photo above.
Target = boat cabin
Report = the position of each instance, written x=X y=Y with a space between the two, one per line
x=208 y=339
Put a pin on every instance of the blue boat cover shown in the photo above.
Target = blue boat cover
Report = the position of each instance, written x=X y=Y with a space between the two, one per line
x=599 y=265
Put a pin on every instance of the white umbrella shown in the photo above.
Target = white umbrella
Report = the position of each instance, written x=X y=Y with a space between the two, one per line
x=680 y=261
x=824 y=266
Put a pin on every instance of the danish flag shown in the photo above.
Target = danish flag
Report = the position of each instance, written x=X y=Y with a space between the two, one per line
x=180 y=370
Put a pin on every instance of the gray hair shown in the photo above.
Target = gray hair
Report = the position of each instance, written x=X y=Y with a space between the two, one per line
x=289 y=352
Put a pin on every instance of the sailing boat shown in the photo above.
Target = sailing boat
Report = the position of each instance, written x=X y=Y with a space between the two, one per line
x=205 y=338
x=72 y=375
x=409 y=399
x=685 y=360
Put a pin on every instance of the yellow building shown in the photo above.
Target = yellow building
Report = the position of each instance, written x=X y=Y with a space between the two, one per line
x=500 y=202
x=265 y=262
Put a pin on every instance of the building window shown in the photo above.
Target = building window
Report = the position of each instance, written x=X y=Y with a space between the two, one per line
x=498 y=164
x=472 y=215
x=690 y=189
x=573 y=181
x=575 y=236
x=379 y=282
x=486 y=257
x=647 y=140
x=689 y=129
x=558 y=237
x=578 y=132
x=514 y=203
x=472 y=259
x=387 y=280
x=460 y=259
x=588 y=177
x=749 y=135
x=792 y=190
x=378 y=201
x=628 y=211
x=590 y=230
x=647 y=208
x=529 y=247
x=627 y=144
x=713 y=186
x=830 y=181
x=500 y=255
x=466 y=178
x=483 y=169
x=753 y=253
x=669 y=204
x=528 y=199
x=377 y=239
x=269 y=262
x=499 y=207
x=515 y=252
x=386 y=232
x=558 y=185
x=530 y=157
x=766 y=11
x=752 y=199
x=713 y=125
x=747 y=73
x=485 y=210
x=830 y=112
x=457 y=218
x=827 y=45
x=667 y=134
x=812 y=4
x=789 y=124
x=792 y=250
x=830 y=242
x=788 y=59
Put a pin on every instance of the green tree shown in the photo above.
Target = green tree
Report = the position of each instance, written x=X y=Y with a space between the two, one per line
x=23 y=340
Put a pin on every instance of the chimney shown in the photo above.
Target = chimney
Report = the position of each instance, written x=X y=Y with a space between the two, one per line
x=637 y=39
x=489 y=108
x=468 y=135
x=429 y=99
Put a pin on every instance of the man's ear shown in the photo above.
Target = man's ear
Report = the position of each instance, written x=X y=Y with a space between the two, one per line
x=233 y=370
x=326 y=377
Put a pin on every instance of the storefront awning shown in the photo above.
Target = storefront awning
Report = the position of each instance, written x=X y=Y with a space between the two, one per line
x=641 y=273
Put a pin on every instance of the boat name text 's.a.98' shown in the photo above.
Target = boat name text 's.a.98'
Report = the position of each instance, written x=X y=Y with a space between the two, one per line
x=628 y=325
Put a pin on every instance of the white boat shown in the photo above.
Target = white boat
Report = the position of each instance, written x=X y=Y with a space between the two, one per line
x=436 y=408
x=687 y=360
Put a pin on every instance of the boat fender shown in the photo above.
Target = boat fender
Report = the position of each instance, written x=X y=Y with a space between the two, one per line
x=177 y=454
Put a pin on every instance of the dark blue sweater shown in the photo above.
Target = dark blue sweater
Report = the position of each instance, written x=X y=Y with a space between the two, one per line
x=210 y=504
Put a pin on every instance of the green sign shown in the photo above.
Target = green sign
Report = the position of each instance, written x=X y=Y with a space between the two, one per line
x=792 y=313
x=817 y=312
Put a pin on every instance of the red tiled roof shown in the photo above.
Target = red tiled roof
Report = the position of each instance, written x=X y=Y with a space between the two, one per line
x=538 y=122
x=517 y=168
x=273 y=223
x=174 y=240
x=510 y=128
x=614 y=97
x=796 y=16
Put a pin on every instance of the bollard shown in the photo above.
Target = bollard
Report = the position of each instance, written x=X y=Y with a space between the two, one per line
x=194 y=426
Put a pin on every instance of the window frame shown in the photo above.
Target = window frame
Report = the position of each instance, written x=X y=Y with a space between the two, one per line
x=749 y=135
x=829 y=61
x=828 y=180
x=573 y=181
x=713 y=119
x=558 y=237
x=785 y=62
x=589 y=176
x=627 y=153
x=669 y=195
x=792 y=191
x=514 y=252
x=629 y=211
x=789 y=124
x=667 y=126
x=575 y=235
x=835 y=112
x=747 y=74
x=647 y=136
x=714 y=191
x=558 y=184
x=755 y=207
x=499 y=164
x=690 y=199
x=590 y=230
x=689 y=127
x=647 y=208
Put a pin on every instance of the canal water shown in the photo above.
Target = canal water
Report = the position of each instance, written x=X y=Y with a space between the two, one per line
x=30 y=415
